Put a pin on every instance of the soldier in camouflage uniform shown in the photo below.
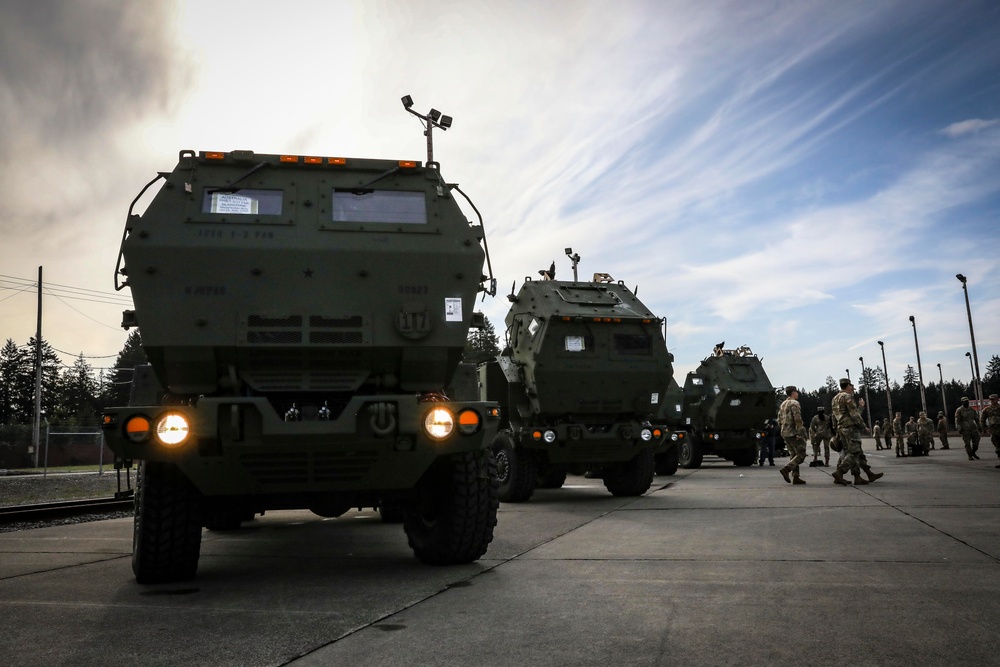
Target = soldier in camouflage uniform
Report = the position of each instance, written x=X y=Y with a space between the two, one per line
x=849 y=427
x=897 y=429
x=968 y=426
x=991 y=422
x=820 y=431
x=942 y=429
x=925 y=432
x=877 y=432
x=793 y=432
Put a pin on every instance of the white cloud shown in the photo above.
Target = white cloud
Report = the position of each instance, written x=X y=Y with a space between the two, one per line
x=968 y=126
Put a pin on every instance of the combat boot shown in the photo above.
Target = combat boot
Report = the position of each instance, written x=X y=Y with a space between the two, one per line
x=872 y=476
x=798 y=480
x=838 y=478
x=826 y=461
x=859 y=480
x=784 y=473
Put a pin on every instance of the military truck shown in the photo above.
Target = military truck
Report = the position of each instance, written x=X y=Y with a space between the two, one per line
x=725 y=402
x=582 y=372
x=302 y=315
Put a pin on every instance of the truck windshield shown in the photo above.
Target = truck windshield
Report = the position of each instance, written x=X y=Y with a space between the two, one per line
x=388 y=206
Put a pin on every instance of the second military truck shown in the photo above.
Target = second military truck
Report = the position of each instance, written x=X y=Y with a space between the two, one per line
x=584 y=368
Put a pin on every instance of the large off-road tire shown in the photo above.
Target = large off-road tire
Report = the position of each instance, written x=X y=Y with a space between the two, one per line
x=166 y=538
x=455 y=511
x=745 y=457
x=666 y=463
x=516 y=469
x=690 y=453
x=551 y=478
x=633 y=478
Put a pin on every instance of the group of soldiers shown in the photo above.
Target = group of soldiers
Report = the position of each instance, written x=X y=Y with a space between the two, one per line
x=842 y=429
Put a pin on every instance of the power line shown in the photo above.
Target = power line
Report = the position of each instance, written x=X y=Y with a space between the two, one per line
x=67 y=291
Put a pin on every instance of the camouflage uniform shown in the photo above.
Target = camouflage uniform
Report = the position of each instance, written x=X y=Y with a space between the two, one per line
x=849 y=427
x=968 y=426
x=942 y=429
x=991 y=422
x=793 y=432
x=897 y=429
x=877 y=432
x=925 y=431
x=911 y=430
x=820 y=432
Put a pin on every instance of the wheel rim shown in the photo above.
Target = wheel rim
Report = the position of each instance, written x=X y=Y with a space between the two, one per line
x=503 y=465
x=685 y=452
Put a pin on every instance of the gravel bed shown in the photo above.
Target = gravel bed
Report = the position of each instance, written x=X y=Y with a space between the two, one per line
x=34 y=488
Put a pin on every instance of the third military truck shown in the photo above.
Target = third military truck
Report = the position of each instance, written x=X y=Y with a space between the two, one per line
x=724 y=404
x=583 y=370
x=302 y=315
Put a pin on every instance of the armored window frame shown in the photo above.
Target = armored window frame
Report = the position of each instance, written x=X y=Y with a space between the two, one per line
x=382 y=207
x=260 y=201
x=632 y=344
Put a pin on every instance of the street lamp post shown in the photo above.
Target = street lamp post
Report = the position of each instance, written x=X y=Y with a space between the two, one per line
x=972 y=335
x=973 y=371
x=885 y=369
x=868 y=406
x=944 y=404
x=920 y=370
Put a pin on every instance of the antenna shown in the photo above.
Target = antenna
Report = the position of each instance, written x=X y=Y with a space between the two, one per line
x=434 y=118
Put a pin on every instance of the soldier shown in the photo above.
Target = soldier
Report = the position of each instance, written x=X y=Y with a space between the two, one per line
x=925 y=430
x=849 y=427
x=942 y=429
x=968 y=427
x=991 y=422
x=820 y=431
x=793 y=432
x=877 y=432
x=911 y=433
x=897 y=430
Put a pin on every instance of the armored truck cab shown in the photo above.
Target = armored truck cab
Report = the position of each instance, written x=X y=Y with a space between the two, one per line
x=584 y=368
x=303 y=316
x=725 y=403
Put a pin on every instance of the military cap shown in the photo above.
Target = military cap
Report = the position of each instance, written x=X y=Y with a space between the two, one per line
x=964 y=399
x=922 y=414
x=940 y=414
x=992 y=396
x=845 y=382
x=821 y=409
x=789 y=389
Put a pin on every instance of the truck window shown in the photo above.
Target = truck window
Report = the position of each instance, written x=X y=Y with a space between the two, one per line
x=633 y=344
x=388 y=206
x=242 y=202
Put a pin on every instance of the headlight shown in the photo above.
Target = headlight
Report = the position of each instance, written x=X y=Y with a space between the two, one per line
x=549 y=436
x=673 y=436
x=439 y=423
x=758 y=436
x=646 y=435
x=172 y=429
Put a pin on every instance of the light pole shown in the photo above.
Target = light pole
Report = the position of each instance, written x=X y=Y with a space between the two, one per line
x=848 y=371
x=944 y=404
x=885 y=369
x=864 y=378
x=920 y=370
x=972 y=335
x=973 y=371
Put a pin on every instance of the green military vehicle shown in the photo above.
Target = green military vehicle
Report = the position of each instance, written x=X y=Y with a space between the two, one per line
x=302 y=316
x=725 y=403
x=584 y=368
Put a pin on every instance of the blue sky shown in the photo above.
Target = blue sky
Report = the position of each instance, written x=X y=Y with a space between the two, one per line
x=799 y=177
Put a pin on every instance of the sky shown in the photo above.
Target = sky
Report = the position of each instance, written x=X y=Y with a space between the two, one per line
x=800 y=177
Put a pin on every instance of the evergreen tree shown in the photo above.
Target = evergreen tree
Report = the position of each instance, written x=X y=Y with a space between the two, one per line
x=991 y=380
x=24 y=382
x=119 y=382
x=482 y=344
x=12 y=367
x=79 y=395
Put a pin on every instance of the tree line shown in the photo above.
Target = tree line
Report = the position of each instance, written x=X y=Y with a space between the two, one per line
x=72 y=397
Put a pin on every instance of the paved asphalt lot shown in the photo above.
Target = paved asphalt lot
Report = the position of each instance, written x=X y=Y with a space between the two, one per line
x=716 y=566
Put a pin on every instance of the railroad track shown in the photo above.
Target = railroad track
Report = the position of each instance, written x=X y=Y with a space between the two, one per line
x=63 y=509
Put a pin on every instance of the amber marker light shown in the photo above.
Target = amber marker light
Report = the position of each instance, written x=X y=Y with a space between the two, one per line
x=137 y=428
x=313 y=160
x=288 y=158
x=215 y=155
x=336 y=160
x=537 y=435
x=407 y=164
x=172 y=429
x=439 y=423
x=468 y=421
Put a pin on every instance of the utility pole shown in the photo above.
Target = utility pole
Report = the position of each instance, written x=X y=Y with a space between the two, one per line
x=944 y=404
x=972 y=334
x=37 y=424
x=864 y=378
x=885 y=369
